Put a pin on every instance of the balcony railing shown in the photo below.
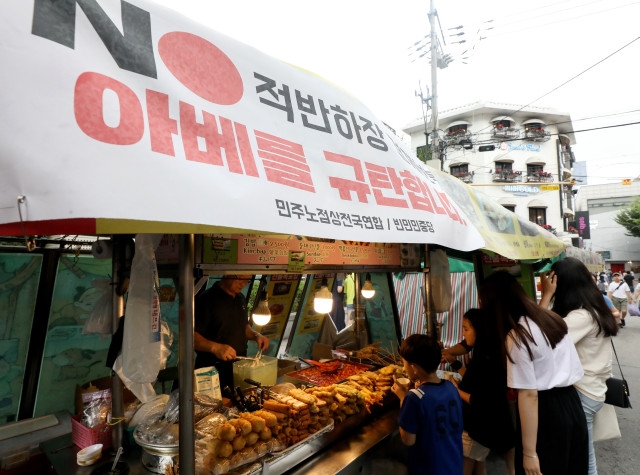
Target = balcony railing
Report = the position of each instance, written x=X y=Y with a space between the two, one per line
x=507 y=176
x=466 y=177
x=457 y=138
x=540 y=177
x=506 y=133
x=536 y=135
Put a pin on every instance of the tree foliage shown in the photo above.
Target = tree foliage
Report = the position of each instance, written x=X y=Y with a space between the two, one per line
x=629 y=218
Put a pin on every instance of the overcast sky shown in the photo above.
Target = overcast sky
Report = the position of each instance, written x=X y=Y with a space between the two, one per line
x=577 y=56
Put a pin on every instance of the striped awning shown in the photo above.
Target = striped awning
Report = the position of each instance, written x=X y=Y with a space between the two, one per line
x=409 y=291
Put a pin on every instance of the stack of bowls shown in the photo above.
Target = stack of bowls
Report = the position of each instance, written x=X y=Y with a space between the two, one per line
x=89 y=455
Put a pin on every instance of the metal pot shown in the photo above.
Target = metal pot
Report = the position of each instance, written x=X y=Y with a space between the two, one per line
x=157 y=463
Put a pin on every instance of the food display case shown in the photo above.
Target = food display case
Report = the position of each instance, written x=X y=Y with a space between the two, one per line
x=300 y=420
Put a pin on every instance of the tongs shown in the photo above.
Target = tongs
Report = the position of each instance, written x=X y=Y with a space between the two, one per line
x=255 y=359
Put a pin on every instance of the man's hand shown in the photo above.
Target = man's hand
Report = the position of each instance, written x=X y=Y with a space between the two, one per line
x=223 y=352
x=262 y=341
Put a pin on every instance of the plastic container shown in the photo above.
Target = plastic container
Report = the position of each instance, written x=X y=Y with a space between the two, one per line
x=265 y=371
x=89 y=455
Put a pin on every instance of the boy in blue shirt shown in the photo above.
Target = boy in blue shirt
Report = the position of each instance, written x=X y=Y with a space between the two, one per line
x=430 y=416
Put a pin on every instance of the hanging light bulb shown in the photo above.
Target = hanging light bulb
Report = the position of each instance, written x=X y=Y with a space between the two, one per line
x=323 y=300
x=367 y=290
x=262 y=315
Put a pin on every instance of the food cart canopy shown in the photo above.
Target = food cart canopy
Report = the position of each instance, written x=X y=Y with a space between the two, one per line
x=126 y=117
x=132 y=118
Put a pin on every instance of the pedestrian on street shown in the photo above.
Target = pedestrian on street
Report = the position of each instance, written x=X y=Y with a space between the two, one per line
x=543 y=365
x=620 y=295
x=628 y=278
x=569 y=287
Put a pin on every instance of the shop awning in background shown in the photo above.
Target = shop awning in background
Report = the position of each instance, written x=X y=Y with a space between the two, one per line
x=504 y=232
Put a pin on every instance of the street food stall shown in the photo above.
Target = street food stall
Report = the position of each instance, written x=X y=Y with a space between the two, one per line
x=131 y=132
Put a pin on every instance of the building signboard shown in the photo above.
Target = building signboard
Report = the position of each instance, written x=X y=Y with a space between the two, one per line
x=582 y=221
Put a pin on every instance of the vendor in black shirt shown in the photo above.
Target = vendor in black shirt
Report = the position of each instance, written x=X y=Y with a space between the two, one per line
x=222 y=327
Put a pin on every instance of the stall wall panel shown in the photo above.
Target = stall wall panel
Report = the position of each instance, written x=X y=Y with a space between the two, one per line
x=379 y=313
x=71 y=358
x=309 y=324
x=19 y=277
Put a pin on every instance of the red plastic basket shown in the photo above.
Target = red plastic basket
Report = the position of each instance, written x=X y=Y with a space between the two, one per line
x=84 y=436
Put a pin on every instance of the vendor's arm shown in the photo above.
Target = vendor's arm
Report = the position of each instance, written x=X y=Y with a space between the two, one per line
x=528 y=408
x=221 y=351
x=261 y=340
x=450 y=354
x=549 y=283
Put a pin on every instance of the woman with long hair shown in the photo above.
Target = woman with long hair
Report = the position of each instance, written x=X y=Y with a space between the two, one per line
x=487 y=422
x=543 y=365
x=571 y=290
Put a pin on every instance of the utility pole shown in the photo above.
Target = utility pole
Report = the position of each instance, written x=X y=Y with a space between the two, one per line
x=435 y=155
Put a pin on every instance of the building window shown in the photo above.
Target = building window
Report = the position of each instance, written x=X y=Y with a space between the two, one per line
x=538 y=215
x=459 y=129
x=503 y=166
x=459 y=169
x=502 y=124
x=531 y=169
x=511 y=208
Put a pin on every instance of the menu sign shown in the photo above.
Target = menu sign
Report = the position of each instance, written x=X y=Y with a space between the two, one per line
x=296 y=252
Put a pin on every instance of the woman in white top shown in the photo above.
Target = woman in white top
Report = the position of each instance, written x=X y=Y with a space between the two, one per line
x=543 y=365
x=591 y=324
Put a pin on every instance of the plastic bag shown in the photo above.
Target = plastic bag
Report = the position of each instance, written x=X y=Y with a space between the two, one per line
x=143 y=354
x=100 y=319
x=633 y=310
x=440 y=280
x=97 y=408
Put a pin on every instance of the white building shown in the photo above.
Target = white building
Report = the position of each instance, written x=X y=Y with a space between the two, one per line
x=520 y=156
x=604 y=202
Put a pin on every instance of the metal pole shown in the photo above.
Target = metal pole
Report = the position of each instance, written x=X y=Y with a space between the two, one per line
x=117 y=401
x=428 y=305
x=185 y=354
x=435 y=155
x=560 y=191
x=360 y=326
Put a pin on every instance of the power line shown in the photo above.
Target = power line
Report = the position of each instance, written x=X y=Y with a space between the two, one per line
x=589 y=68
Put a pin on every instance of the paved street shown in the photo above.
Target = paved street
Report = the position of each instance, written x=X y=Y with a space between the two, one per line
x=620 y=456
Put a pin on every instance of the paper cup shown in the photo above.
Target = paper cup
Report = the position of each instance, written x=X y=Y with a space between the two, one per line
x=404 y=383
